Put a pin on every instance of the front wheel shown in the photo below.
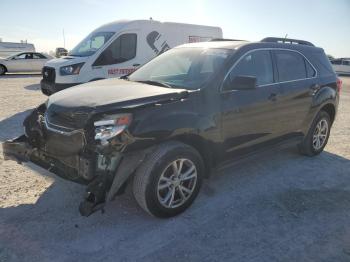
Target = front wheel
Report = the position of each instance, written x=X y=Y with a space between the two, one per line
x=317 y=137
x=2 y=70
x=169 y=180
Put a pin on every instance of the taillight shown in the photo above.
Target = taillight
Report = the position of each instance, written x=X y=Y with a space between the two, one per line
x=339 y=84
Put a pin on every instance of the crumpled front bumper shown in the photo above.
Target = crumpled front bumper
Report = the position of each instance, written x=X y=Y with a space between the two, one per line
x=102 y=186
x=77 y=169
x=49 y=88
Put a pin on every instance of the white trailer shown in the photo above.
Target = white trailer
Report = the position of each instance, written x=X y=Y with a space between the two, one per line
x=9 y=48
x=119 y=48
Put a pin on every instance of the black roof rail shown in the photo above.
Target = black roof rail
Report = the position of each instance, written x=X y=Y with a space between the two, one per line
x=224 y=39
x=286 y=41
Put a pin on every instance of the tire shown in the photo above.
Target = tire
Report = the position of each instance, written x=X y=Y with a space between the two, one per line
x=156 y=178
x=309 y=145
x=2 y=70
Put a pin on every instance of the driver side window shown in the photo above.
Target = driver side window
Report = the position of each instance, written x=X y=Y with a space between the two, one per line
x=120 y=50
x=22 y=56
x=255 y=64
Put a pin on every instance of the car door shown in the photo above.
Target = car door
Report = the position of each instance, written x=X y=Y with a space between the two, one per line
x=18 y=63
x=38 y=62
x=250 y=117
x=118 y=58
x=297 y=83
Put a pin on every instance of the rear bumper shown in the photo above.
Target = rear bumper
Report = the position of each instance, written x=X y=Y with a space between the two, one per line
x=49 y=88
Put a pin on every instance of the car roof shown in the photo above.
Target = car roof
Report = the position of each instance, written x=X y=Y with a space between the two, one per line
x=216 y=44
x=236 y=44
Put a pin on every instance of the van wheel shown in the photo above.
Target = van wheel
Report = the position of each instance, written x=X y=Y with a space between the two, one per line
x=317 y=137
x=168 y=181
x=2 y=70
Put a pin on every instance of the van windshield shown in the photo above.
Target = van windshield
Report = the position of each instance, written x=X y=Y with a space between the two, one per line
x=187 y=68
x=91 y=44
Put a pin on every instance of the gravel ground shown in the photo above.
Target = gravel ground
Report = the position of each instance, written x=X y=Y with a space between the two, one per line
x=276 y=206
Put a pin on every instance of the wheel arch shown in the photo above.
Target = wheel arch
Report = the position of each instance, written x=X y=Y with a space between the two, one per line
x=201 y=146
x=331 y=111
x=6 y=70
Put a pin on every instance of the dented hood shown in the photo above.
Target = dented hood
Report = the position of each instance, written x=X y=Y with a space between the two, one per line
x=73 y=107
x=113 y=93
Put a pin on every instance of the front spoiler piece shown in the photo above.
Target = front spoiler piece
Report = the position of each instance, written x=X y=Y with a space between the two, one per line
x=17 y=149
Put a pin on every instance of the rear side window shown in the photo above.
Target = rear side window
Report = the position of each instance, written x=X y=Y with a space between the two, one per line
x=290 y=65
x=120 y=50
x=257 y=64
x=38 y=56
x=346 y=62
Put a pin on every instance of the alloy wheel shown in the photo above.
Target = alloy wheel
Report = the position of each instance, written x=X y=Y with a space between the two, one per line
x=320 y=134
x=177 y=183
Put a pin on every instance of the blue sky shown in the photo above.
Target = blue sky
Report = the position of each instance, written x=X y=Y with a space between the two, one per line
x=326 y=23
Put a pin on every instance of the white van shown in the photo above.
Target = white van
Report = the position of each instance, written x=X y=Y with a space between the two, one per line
x=341 y=66
x=119 y=48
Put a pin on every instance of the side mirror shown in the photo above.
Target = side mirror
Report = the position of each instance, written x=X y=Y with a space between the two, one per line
x=240 y=83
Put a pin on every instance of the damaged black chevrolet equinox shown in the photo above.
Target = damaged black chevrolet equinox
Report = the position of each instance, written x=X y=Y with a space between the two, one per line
x=164 y=127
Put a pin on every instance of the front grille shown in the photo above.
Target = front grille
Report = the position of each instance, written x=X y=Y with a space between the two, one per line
x=69 y=119
x=49 y=74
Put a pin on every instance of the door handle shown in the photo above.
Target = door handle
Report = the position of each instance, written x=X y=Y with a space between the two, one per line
x=273 y=97
x=136 y=65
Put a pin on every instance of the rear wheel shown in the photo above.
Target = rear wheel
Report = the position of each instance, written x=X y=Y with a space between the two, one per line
x=169 y=180
x=2 y=70
x=317 y=137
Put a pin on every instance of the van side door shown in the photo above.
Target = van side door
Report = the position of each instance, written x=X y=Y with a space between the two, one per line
x=337 y=65
x=118 y=58
x=250 y=117
x=297 y=83
x=345 y=68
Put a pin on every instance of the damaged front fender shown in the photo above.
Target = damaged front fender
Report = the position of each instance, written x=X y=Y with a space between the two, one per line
x=107 y=185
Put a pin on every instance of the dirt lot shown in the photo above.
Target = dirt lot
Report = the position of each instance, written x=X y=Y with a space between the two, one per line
x=276 y=206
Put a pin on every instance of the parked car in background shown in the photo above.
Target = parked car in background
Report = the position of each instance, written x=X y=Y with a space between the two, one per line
x=24 y=62
x=119 y=48
x=341 y=66
x=60 y=51
x=10 y=48
x=165 y=126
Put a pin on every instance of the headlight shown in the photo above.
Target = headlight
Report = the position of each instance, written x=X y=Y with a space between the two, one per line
x=71 y=69
x=111 y=126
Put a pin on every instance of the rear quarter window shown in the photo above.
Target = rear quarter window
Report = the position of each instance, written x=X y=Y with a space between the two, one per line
x=291 y=66
x=321 y=62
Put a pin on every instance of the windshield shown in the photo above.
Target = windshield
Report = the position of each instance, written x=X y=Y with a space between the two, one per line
x=187 y=68
x=91 y=44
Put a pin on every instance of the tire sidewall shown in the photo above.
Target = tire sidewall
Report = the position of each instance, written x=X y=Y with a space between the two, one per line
x=320 y=116
x=152 y=202
x=2 y=70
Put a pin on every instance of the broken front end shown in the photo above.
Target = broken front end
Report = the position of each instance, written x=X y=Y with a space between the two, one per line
x=75 y=147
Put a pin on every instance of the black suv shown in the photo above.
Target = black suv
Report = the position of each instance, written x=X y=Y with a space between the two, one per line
x=165 y=126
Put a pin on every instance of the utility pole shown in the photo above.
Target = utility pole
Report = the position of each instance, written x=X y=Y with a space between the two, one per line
x=64 y=39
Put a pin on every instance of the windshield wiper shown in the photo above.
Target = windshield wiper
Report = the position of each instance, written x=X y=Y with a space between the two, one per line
x=156 y=83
